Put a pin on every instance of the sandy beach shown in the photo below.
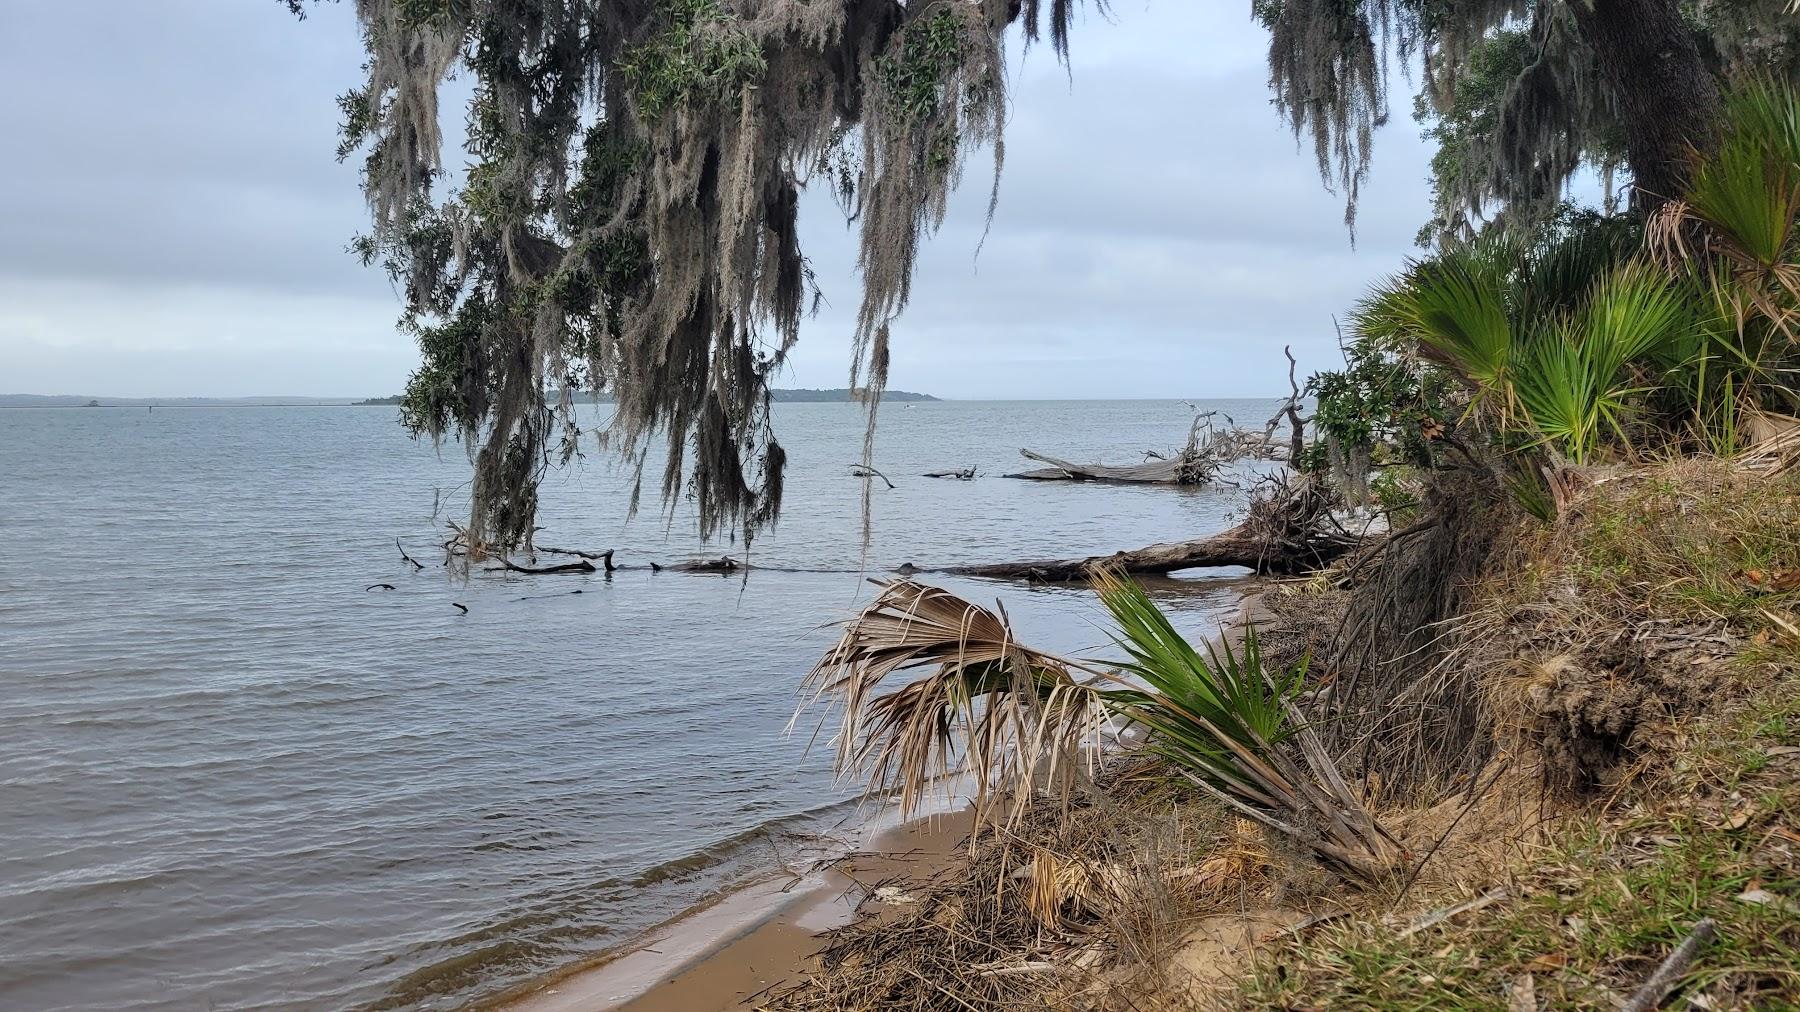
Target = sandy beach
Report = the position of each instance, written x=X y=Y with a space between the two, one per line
x=721 y=955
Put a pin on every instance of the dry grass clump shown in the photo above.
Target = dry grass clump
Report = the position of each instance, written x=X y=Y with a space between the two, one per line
x=1698 y=539
x=1571 y=644
x=1068 y=910
x=1602 y=898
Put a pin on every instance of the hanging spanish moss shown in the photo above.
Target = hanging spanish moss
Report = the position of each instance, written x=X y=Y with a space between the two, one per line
x=1512 y=91
x=628 y=218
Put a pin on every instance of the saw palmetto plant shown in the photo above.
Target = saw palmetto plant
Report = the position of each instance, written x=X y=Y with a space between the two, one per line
x=1740 y=221
x=1016 y=723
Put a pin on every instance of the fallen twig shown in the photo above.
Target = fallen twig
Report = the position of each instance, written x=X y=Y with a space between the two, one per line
x=1663 y=980
x=864 y=471
x=378 y=586
x=1311 y=922
x=1486 y=899
x=416 y=565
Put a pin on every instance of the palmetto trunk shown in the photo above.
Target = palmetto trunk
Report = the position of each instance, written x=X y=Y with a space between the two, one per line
x=1667 y=100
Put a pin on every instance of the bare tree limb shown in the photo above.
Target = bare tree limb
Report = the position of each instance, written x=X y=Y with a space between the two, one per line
x=606 y=556
x=864 y=471
x=1651 y=995
x=1291 y=409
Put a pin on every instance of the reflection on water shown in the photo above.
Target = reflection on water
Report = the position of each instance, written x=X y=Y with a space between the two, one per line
x=231 y=777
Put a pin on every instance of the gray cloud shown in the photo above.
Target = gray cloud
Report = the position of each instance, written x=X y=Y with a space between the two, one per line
x=175 y=220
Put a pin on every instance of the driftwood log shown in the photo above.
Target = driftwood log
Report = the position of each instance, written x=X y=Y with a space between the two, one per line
x=505 y=564
x=722 y=564
x=1289 y=530
x=1150 y=472
x=1206 y=453
x=966 y=474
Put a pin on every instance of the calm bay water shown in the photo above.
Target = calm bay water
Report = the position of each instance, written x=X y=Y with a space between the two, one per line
x=232 y=778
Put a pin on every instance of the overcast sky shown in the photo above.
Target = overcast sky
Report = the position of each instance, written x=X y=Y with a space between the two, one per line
x=175 y=220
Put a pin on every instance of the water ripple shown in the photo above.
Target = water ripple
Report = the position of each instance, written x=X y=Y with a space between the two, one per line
x=231 y=778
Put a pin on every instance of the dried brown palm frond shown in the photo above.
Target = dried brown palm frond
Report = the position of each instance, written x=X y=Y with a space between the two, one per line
x=1022 y=712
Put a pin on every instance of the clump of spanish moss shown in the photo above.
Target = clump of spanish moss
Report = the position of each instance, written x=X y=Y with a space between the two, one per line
x=1518 y=95
x=628 y=217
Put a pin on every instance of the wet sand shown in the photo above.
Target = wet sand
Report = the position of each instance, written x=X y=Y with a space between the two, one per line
x=719 y=957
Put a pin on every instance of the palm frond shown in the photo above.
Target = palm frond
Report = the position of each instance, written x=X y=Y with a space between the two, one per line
x=1748 y=188
x=985 y=706
x=1012 y=718
x=1456 y=308
x=1224 y=723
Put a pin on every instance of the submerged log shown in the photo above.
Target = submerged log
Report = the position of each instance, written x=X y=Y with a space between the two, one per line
x=1288 y=531
x=722 y=564
x=578 y=566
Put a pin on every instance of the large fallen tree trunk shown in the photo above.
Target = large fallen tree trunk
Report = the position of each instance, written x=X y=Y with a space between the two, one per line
x=1230 y=548
x=1207 y=451
x=1290 y=530
x=1180 y=470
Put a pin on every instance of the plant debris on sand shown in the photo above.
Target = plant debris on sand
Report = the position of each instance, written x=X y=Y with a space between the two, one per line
x=1077 y=908
x=1631 y=766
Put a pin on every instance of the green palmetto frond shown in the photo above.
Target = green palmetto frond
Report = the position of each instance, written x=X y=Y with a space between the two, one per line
x=1561 y=395
x=1576 y=379
x=1012 y=719
x=1748 y=187
x=1631 y=313
x=1458 y=313
x=1740 y=219
x=1223 y=721
x=1559 y=272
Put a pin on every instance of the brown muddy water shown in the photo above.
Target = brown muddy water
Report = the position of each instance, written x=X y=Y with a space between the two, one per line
x=233 y=778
